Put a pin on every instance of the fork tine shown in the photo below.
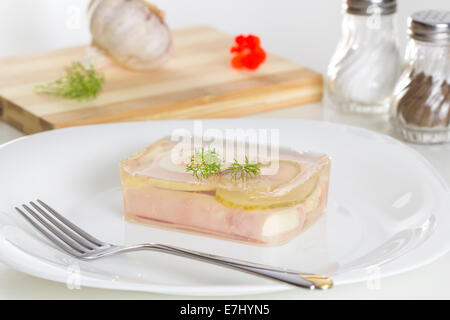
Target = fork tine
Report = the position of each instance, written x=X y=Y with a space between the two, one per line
x=56 y=232
x=70 y=225
x=70 y=233
x=50 y=236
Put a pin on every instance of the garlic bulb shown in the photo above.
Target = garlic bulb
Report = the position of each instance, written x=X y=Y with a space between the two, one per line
x=132 y=32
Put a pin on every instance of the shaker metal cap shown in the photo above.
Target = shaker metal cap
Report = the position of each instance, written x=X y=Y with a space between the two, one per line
x=371 y=7
x=430 y=26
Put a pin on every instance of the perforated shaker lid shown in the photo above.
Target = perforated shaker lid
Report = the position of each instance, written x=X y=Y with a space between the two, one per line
x=430 y=26
x=370 y=7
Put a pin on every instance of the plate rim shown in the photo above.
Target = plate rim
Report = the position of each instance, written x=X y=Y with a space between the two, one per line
x=215 y=290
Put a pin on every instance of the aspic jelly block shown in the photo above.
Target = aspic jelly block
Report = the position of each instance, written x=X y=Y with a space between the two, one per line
x=268 y=210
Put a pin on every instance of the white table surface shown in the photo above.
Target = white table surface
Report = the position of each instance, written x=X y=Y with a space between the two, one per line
x=428 y=282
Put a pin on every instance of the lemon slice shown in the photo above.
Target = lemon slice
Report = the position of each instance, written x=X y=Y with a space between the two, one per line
x=154 y=167
x=136 y=181
x=257 y=197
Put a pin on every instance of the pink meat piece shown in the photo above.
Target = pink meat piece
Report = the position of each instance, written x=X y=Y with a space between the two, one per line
x=150 y=200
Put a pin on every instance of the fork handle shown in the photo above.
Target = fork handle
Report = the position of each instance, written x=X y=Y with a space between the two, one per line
x=304 y=280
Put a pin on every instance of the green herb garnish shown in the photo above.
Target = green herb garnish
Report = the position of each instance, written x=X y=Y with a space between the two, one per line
x=244 y=171
x=79 y=83
x=204 y=163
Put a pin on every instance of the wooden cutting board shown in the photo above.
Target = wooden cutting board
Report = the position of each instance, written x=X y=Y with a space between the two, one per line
x=197 y=82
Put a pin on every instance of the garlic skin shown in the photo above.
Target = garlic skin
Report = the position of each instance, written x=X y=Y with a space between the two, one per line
x=132 y=32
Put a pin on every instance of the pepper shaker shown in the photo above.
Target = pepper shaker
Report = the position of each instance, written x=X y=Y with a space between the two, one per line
x=421 y=105
x=367 y=62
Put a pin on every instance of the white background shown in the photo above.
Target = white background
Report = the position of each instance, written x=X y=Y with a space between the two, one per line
x=304 y=31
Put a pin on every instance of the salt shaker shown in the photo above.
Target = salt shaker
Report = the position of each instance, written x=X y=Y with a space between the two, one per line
x=421 y=105
x=367 y=62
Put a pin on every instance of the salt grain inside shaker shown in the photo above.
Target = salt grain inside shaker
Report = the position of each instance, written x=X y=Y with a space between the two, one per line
x=367 y=62
x=421 y=105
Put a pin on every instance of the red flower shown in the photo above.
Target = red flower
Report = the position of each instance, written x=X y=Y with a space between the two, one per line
x=247 y=52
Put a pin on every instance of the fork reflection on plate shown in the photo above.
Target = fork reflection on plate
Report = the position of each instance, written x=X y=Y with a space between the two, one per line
x=79 y=244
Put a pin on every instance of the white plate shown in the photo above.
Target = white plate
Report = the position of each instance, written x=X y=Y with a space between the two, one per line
x=388 y=210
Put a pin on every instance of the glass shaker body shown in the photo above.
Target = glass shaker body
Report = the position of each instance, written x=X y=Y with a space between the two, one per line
x=366 y=65
x=420 y=109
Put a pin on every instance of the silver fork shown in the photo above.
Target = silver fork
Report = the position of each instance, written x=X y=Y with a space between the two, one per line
x=79 y=244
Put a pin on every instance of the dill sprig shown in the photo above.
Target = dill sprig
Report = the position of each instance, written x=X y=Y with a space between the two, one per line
x=79 y=83
x=204 y=163
x=244 y=171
